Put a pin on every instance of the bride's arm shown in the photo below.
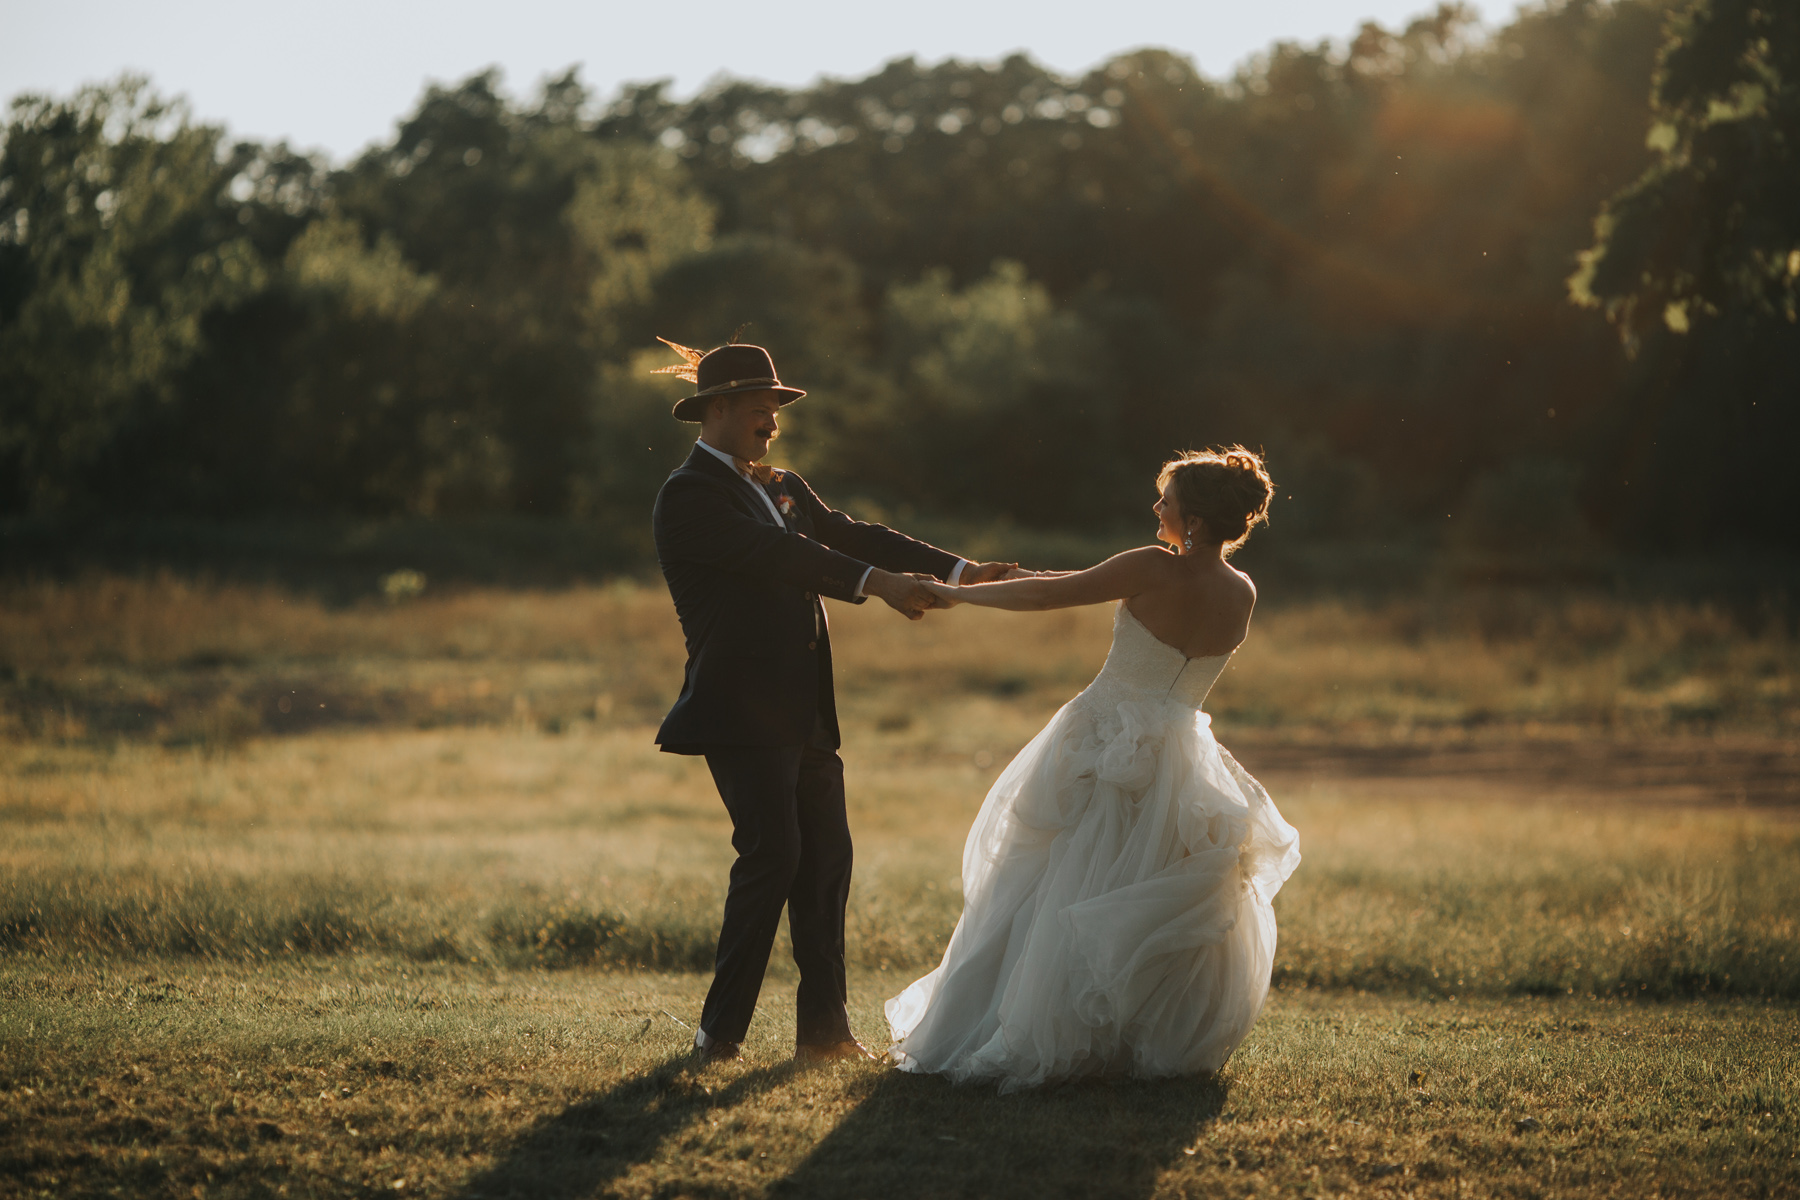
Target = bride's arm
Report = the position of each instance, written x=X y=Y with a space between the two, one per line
x=1120 y=576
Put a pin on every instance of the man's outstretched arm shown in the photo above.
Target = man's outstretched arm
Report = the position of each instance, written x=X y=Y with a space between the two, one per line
x=696 y=523
x=888 y=549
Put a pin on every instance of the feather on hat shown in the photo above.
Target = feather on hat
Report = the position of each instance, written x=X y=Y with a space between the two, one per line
x=724 y=371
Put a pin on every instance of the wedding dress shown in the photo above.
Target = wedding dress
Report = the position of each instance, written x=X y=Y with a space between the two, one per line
x=1116 y=890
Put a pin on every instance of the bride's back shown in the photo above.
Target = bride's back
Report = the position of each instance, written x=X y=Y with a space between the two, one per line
x=1202 y=610
x=1200 y=603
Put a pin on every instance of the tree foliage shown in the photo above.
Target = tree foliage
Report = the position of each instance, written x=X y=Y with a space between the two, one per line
x=1009 y=293
x=113 y=248
x=1714 y=223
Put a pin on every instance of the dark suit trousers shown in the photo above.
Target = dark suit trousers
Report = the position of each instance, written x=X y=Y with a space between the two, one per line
x=793 y=844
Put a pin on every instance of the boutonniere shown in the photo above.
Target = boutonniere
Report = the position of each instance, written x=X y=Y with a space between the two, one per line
x=785 y=503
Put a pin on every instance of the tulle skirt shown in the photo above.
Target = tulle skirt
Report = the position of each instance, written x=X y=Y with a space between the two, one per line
x=1116 y=915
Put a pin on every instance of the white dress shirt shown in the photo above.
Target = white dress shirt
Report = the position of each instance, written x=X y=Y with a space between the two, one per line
x=955 y=572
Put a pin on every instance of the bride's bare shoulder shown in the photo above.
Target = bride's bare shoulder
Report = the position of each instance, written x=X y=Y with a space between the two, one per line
x=1156 y=553
x=1154 y=557
x=1147 y=565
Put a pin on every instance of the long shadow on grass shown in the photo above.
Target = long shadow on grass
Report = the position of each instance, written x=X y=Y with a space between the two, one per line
x=906 y=1136
x=919 y=1136
x=579 y=1150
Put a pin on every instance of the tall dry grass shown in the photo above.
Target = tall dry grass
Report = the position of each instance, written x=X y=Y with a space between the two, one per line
x=167 y=621
x=187 y=662
x=1513 y=658
x=243 y=773
x=517 y=848
x=206 y=664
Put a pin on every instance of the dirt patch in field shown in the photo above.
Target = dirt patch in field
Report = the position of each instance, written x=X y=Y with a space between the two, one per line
x=1761 y=773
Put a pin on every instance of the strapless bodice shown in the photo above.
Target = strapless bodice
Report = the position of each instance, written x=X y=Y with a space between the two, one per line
x=1141 y=666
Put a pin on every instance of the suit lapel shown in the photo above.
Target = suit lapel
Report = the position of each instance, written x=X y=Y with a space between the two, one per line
x=707 y=464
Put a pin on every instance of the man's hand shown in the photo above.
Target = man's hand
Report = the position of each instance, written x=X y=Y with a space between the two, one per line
x=904 y=594
x=943 y=595
x=986 y=572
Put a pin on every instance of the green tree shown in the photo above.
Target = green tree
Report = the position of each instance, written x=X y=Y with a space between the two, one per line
x=117 y=240
x=543 y=242
x=1714 y=223
x=1359 y=260
x=998 y=402
x=1697 y=265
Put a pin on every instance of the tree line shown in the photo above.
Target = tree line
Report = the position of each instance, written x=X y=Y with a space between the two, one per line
x=1528 y=286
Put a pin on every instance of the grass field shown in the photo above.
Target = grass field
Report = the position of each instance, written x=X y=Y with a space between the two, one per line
x=299 y=900
x=360 y=1077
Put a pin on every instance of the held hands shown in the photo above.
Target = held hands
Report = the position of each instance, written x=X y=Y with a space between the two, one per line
x=943 y=594
x=988 y=572
x=905 y=594
x=911 y=595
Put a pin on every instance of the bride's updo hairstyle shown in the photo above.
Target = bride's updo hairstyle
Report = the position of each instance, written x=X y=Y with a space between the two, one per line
x=1228 y=488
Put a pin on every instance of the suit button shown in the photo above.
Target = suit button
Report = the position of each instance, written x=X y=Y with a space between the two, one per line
x=812 y=645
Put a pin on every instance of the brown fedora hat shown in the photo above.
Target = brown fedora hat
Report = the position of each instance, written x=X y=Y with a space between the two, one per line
x=727 y=371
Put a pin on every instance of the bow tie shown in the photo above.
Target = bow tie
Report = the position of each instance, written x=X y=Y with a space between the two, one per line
x=760 y=472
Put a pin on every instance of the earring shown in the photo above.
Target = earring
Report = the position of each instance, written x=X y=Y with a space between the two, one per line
x=1188 y=541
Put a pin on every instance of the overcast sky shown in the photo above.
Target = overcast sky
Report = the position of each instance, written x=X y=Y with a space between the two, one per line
x=337 y=74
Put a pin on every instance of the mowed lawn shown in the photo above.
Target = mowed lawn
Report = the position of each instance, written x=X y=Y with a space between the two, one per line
x=401 y=900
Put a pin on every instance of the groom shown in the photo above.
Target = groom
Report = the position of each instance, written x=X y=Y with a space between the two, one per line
x=747 y=551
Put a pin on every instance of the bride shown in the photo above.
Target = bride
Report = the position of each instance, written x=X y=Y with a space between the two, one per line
x=1116 y=883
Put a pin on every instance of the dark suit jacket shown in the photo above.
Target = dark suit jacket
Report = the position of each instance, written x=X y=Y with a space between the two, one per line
x=746 y=590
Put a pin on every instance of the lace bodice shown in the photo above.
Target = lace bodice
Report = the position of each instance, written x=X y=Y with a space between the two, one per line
x=1140 y=666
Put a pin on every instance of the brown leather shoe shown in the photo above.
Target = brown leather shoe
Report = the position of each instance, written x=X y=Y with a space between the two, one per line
x=709 y=1051
x=849 y=1050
